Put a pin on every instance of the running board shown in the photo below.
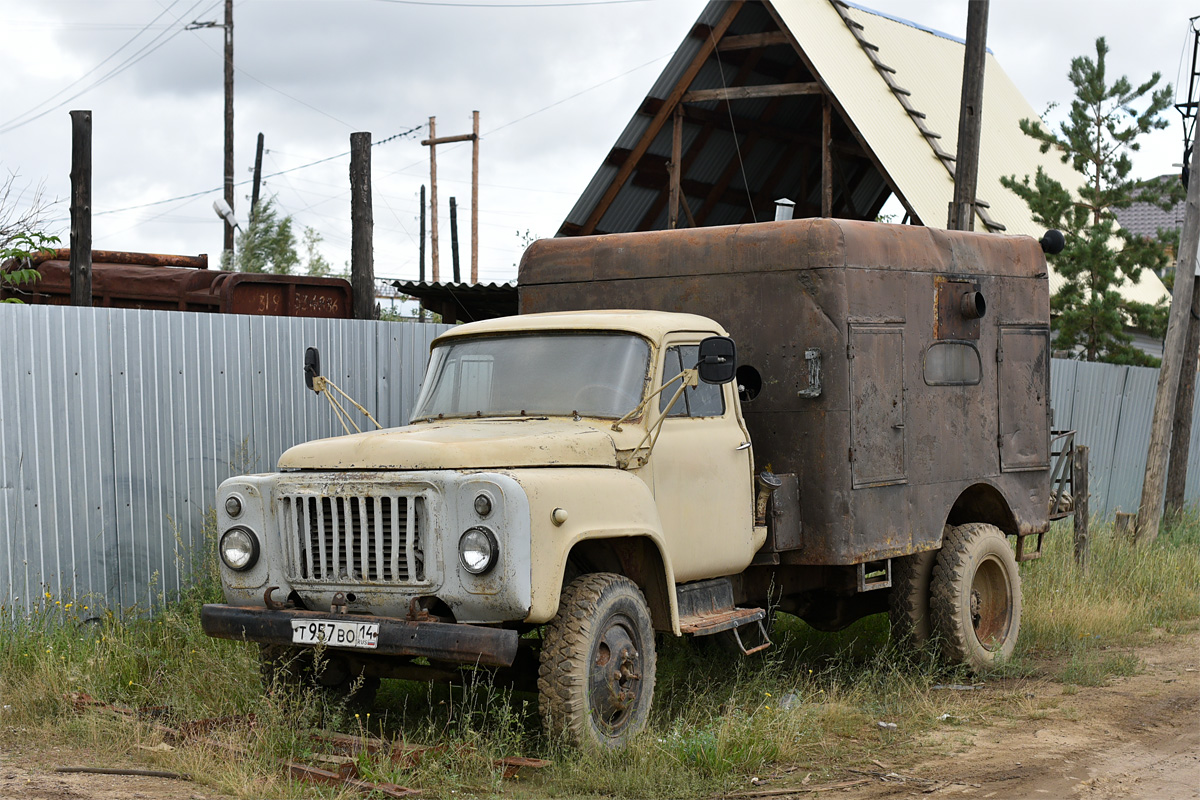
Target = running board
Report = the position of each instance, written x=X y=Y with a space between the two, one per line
x=707 y=607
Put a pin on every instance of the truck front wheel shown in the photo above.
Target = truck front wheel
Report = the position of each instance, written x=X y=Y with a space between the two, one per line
x=596 y=678
x=976 y=596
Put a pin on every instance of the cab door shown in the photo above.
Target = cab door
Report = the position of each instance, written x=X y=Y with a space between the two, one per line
x=702 y=471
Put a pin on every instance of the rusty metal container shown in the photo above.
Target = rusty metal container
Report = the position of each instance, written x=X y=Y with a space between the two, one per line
x=900 y=372
x=183 y=283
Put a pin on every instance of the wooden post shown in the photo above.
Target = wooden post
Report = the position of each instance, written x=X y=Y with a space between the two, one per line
x=970 y=118
x=421 y=247
x=474 y=197
x=433 y=233
x=81 y=208
x=421 y=262
x=362 y=228
x=826 y=158
x=1168 y=374
x=1079 y=485
x=676 y=168
x=454 y=239
x=229 y=124
x=1181 y=428
x=257 y=178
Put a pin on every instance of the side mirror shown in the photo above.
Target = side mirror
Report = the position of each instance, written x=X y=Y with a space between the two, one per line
x=718 y=360
x=312 y=366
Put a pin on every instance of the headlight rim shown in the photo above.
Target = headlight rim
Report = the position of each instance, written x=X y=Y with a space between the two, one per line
x=494 y=544
x=255 y=548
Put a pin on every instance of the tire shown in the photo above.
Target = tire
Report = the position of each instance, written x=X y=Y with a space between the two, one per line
x=908 y=600
x=292 y=668
x=596 y=677
x=976 y=596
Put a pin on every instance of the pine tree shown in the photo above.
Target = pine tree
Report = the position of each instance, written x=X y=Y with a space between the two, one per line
x=1103 y=127
x=268 y=243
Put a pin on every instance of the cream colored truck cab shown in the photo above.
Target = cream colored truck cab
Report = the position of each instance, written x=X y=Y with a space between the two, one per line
x=569 y=471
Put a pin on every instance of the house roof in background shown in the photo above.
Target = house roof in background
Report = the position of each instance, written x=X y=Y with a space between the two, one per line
x=895 y=88
x=1145 y=219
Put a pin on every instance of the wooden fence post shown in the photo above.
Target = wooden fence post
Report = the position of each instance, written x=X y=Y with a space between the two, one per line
x=81 y=208
x=1079 y=485
x=362 y=228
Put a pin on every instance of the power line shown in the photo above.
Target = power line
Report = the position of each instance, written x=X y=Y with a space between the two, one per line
x=148 y=48
x=192 y=195
x=267 y=85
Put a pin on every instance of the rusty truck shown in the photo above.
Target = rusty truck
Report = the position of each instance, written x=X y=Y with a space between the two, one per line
x=682 y=433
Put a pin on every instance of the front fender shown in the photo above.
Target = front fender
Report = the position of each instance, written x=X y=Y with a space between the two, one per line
x=599 y=504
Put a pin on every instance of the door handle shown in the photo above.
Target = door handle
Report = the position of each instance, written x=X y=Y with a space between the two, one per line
x=743 y=446
x=898 y=426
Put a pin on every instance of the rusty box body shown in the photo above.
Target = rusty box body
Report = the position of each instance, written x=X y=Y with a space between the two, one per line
x=926 y=413
x=140 y=280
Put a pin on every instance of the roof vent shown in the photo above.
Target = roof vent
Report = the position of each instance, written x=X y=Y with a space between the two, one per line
x=784 y=209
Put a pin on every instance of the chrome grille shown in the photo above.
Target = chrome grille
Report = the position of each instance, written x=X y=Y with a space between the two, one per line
x=356 y=538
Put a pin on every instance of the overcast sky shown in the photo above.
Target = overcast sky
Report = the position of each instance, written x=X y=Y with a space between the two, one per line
x=554 y=86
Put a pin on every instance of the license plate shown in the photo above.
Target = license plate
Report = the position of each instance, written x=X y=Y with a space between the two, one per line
x=336 y=634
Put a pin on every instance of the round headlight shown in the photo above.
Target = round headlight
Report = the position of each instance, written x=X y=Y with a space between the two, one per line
x=478 y=550
x=483 y=504
x=233 y=506
x=239 y=549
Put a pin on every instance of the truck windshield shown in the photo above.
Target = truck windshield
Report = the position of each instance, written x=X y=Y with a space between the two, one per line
x=590 y=374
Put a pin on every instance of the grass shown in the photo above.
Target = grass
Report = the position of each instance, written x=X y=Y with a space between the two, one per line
x=812 y=705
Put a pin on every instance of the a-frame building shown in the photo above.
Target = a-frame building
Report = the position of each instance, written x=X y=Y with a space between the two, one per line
x=821 y=101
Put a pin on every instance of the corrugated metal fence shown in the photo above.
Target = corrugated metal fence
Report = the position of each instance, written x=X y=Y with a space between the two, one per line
x=1110 y=408
x=116 y=427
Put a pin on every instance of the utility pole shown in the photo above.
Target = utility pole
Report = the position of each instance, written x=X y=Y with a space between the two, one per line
x=80 y=264
x=1181 y=428
x=1168 y=374
x=970 y=119
x=257 y=178
x=229 y=123
x=432 y=143
x=362 y=228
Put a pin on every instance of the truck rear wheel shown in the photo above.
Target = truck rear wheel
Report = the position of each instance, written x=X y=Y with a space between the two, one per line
x=596 y=678
x=976 y=596
x=908 y=601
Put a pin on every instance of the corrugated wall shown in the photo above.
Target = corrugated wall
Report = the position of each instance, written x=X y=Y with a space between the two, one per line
x=116 y=426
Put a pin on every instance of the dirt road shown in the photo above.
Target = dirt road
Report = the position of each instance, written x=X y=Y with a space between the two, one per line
x=1138 y=737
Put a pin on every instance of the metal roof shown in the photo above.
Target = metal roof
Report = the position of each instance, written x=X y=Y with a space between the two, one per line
x=895 y=88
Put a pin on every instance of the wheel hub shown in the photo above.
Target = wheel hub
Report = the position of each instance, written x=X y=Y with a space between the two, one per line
x=991 y=604
x=616 y=680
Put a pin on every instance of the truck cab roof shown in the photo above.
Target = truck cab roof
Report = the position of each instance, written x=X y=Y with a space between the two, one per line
x=651 y=324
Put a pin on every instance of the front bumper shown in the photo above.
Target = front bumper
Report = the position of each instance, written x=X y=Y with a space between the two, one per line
x=439 y=641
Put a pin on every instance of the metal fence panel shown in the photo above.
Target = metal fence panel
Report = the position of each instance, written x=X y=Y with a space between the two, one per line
x=116 y=427
x=1133 y=440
